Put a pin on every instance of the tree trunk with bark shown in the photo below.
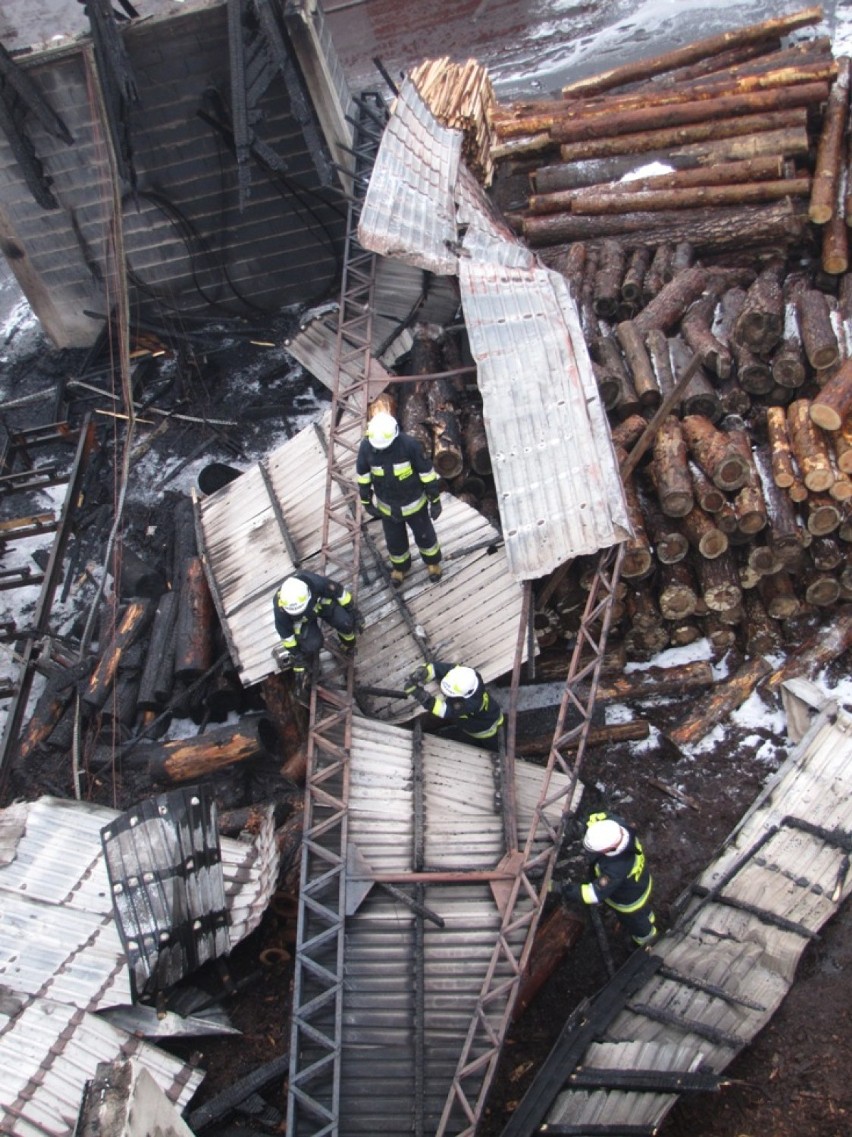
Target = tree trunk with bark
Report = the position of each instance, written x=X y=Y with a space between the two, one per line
x=718 y=703
x=831 y=408
x=671 y=472
x=818 y=338
x=810 y=447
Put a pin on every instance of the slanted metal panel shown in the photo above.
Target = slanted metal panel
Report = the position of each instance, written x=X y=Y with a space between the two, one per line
x=382 y=1012
x=728 y=966
x=472 y=615
x=49 y=1050
x=409 y=211
x=555 y=472
x=168 y=890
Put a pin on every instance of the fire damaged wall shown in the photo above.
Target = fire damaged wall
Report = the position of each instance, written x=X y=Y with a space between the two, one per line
x=199 y=239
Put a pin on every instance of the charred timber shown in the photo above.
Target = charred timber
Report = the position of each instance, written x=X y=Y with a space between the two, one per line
x=186 y=759
x=718 y=703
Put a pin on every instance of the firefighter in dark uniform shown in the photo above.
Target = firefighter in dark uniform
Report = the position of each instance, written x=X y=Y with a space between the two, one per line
x=463 y=701
x=392 y=466
x=619 y=876
x=301 y=601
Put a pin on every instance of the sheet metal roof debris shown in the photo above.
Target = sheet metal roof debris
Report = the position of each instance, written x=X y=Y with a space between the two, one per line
x=731 y=957
x=58 y=934
x=558 y=488
x=411 y=986
x=168 y=889
x=123 y=1100
x=402 y=295
x=49 y=1050
x=551 y=453
x=251 y=528
x=406 y=198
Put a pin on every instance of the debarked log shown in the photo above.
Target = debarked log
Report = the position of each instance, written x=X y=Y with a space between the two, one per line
x=713 y=707
x=725 y=227
x=737 y=137
x=184 y=759
x=655 y=681
x=593 y=126
x=643 y=69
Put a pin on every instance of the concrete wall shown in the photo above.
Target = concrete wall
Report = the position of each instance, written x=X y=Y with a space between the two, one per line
x=189 y=247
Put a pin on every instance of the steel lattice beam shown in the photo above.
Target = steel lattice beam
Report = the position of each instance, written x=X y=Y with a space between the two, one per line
x=314 y=1089
x=478 y=1061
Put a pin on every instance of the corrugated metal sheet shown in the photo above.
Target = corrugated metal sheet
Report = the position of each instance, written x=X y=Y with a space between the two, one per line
x=407 y=1001
x=49 y=1050
x=471 y=615
x=557 y=480
x=732 y=954
x=401 y=294
x=58 y=935
x=558 y=488
x=406 y=197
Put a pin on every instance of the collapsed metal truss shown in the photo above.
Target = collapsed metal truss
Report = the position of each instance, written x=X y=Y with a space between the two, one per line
x=477 y=1063
x=314 y=1088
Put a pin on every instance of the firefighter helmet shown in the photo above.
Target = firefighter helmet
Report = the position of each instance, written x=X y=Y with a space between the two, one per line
x=382 y=429
x=605 y=836
x=459 y=683
x=294 y=595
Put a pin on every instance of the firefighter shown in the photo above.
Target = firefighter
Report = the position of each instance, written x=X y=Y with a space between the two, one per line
x=463 y=700
x=392 y=466
x=301 y=601
x=619 y=876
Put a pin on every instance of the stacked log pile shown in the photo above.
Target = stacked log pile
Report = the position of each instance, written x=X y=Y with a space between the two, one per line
x=738 y=253
x=729 y=123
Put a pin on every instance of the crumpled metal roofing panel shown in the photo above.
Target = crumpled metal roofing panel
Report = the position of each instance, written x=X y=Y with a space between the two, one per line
x=409 y=211
x=559 y=492
x=487 y=237
x=553 y=462
x=165 y=870
x=411 y=989
x=50 y=1049
x=57 y=929
x=471 y=616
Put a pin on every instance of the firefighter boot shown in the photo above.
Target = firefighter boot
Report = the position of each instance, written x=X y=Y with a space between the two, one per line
x=435 y=573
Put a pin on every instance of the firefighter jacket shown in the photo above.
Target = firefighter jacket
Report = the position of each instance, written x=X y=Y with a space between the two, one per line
x=621 y=880
x=401 y=476
x=479 y=715
x=325 y=594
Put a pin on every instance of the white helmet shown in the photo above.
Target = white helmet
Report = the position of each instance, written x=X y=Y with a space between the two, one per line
x=294 y=595
x=605 y=837
x=459 y=683
x=382 y=429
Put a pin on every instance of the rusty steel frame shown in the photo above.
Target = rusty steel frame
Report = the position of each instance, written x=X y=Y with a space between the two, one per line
x=316 y=1042
x=477 y=1063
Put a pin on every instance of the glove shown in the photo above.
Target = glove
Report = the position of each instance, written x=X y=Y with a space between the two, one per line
x=371 y=510
x=418 y=693
x=419 y=674
x=435 y=508
x=571 y=892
